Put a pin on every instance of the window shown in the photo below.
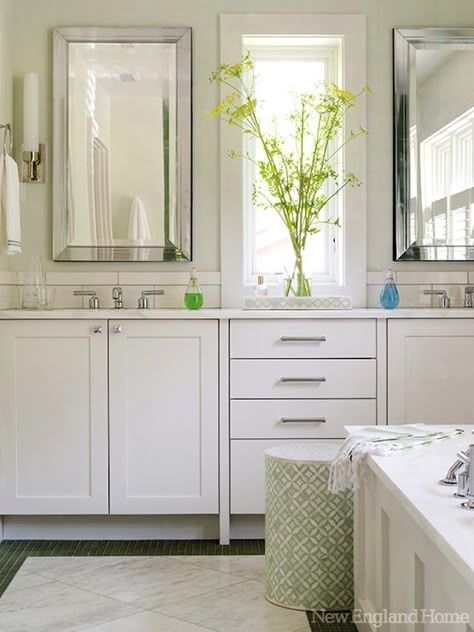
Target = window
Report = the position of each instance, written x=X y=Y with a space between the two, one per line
x=448 y=183
x=283 y=68
x=291 y=53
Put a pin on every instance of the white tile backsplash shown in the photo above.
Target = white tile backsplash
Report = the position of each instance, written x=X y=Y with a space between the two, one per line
x=412 y=296
x=82 y=278
x=167 y=278
x=428 y=278
x=8 y=278
x=7 y=296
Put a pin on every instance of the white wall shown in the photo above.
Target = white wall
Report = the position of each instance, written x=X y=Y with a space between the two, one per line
x=5 y=82
x=31 y=51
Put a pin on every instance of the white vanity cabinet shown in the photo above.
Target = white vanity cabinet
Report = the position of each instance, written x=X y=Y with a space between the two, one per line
x=53 y=417
x=163 y=417
x=293 y=381
x=111 y=416
x=430 y=373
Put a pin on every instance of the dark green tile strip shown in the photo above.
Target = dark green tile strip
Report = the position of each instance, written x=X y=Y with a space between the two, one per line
x=14 y=552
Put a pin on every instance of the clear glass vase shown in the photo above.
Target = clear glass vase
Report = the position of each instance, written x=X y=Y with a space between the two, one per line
x=298 y=283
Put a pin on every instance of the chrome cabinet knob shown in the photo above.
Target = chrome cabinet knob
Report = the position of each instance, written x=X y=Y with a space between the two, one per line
x=97 y=330
x=118 y=329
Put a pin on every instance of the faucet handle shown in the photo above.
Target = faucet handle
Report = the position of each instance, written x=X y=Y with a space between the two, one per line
x=93 y=300
x=468 y=290
x=444 y=300
x=143 y=300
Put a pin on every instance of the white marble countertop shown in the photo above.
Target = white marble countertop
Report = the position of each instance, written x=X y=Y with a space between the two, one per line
x=412 y=476
x=223 y=314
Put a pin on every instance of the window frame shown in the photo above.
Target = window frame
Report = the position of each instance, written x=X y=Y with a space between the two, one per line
x=329 y=52
x=352 y=250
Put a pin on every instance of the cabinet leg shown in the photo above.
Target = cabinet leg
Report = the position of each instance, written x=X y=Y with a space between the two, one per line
x=224 y=528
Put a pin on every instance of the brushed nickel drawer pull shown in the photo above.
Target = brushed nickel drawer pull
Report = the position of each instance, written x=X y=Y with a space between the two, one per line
x=302 y=379
x=303 y=339
x=287 y=420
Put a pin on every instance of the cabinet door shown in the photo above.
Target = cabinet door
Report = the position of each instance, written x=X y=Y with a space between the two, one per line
x=53 y=417
x=430 y=371
x=163 y=417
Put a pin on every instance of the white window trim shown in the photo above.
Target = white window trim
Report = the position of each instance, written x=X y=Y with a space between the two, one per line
x=352 y=27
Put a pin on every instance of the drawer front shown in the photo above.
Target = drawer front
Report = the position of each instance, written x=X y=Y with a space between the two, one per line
x=302 y=379
x=308 y=419
x=316 y=338
x=247 y=486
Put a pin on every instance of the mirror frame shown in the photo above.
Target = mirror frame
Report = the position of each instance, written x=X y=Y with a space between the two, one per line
x=403 y=39
x=182 y=37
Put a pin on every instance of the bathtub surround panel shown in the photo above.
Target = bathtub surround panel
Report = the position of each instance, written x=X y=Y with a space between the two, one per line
x=413 y=540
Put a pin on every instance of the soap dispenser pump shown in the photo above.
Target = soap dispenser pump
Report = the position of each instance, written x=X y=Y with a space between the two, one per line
x=389 y=297
x=193 y=297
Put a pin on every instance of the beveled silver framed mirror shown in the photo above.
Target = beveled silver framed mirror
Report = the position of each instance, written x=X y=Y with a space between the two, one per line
x=122 y=144
x=433 y=144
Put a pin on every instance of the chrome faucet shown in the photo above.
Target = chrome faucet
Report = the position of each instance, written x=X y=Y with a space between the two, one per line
x=468 y=290
x=93 y=298
x=451 y=477
x=143 y=300
x=444 y=300
x=117 y=295
x=466 y=479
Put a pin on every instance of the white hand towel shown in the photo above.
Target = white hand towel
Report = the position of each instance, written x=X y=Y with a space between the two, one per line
x=138 y=226
x=10 y=204
x=347 y=467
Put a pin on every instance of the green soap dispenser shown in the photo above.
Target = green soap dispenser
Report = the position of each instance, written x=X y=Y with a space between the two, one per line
x=193 y=297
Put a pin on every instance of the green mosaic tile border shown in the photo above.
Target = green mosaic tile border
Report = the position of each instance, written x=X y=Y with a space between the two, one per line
x=14 y=552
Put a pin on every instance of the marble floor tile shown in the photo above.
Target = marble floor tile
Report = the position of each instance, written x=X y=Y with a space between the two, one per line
x=26 y=580
x=145 y=622
x=247 y=566
x=56 y=607
x=238 y=608
x=148 y=582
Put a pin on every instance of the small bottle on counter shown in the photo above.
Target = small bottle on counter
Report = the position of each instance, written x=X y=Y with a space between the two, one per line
x=193 y=297
x=261 y=288
x=389 y=297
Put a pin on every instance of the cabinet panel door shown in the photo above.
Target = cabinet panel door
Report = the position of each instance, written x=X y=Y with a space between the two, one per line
x=53 y=417
x=163 y=417
x=247 y=474
x=430 y=371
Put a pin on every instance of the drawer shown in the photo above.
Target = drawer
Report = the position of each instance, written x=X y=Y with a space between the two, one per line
x=315 y=338
x=302 y=379
x=247 y=482
x=303 y=419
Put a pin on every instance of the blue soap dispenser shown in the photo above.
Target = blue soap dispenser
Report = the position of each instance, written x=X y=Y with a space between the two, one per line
x=389 y=297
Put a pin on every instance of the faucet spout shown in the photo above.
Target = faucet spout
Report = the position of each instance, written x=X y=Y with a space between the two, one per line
x=451 y=475
x=117 y=295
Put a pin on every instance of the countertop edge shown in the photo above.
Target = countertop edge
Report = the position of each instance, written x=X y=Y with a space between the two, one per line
x=234 y=314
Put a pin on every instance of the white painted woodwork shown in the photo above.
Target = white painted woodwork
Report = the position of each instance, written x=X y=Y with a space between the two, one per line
x=263 y=379
x=262 y=339
x=400 y=565
x=224 y=431
x=163 y=417
x=247 y=467
x=263 y=419
x=430 y=371
x=53 y=417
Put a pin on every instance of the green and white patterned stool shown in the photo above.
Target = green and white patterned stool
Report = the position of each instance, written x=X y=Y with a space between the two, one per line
x=308 y=530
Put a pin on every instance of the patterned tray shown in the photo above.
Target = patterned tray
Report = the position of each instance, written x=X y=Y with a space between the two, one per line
x=297 y=302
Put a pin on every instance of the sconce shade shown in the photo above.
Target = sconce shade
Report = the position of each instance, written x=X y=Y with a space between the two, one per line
x=31 y=112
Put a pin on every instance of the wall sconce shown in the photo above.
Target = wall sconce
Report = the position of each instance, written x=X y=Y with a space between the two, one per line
x=34 y=152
